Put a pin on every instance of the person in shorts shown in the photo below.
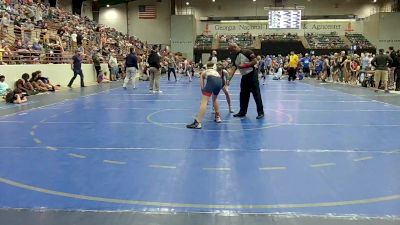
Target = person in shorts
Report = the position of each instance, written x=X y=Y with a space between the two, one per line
x=381 y=63
x=209 y=89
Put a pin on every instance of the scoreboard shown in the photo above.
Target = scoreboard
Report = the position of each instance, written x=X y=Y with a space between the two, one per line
x=284 y=19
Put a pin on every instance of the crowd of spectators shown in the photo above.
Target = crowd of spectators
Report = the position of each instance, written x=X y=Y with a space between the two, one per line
x=325 y=41
x=279 y=37
x=36 y=33
x=33 y=32
x=245 y=40
x=359 y=41
x=204 y=41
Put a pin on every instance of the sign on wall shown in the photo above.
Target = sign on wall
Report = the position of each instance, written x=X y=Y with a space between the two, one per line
x=262 y=28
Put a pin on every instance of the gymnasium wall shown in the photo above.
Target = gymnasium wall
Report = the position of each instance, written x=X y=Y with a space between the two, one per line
x=389 y=30
x=221 y=8
x=183 y=32
x=322 y=26
x=65 y=4
x=383 y=30
x=114 y=17
x=87 y=9
x=154 y=31
x=58 y=73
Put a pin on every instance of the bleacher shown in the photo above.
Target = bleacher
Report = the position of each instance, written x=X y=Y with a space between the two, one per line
x=54 y=41
x=203 y=42
x=243 y=40
x=325 y=41
x=279 y=37
x=359 y=41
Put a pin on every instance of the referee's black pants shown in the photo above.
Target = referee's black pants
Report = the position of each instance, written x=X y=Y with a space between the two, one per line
x=249 y=84
x=292 y=73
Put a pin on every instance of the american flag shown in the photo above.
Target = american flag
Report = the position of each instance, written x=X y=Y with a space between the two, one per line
x=147 y=12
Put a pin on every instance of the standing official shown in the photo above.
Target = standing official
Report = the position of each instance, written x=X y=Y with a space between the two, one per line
x=154 y=71
x=131 y=67
x=245 y=62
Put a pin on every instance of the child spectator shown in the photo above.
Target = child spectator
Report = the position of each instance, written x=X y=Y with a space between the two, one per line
x=24 y=85
x=3 y=86
x=16 y=97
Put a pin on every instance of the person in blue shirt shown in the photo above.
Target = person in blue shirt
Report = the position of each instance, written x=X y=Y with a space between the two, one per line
x=318 y=66
x=131 y=67
x=305 y=62
x=268 y=64
x=76 y=66
x=364 y=62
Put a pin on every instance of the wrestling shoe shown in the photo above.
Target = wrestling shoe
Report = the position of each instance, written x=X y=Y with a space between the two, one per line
x=231 y=109
x=217 y=117
x=194 y=125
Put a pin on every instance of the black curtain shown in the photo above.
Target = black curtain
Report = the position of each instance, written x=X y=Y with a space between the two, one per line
x=77 y=7
x=53 y=3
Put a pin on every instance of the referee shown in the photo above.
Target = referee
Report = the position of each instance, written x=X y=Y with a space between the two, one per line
x=245 y=62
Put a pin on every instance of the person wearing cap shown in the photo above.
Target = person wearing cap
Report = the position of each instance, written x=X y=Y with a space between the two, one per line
x=245 y=61
x=381 y=63
x=76 y=66
x=211 y=88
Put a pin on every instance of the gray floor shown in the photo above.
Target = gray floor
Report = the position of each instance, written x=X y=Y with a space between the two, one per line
x=51 y=98
x=53 y=217
x=48 y=217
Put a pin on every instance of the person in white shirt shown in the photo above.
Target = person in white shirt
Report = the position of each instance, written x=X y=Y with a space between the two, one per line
x=3 y=86
x=213 y=57
x=211 y=88
x=114 y=67
x=74 y=40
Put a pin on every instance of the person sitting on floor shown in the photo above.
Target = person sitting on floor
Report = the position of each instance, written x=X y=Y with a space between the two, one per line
x=24 y=85
x=15 y=97
x=3 y=86
x=47 y=82
x=38 y=84
x=102 y=77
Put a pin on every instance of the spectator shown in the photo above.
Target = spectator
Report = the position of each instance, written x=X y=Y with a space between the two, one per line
x=171 y=66
x=16 y=97
x=96 y=63
x=74 y=40
x=43 y=32
x=131 y=67
x=113 y=63
x=18 y=27
x=381 y=63
x=3 y=86
x=28 y=28
x=154 y=71
x=24 y=85
x=76 y=67
x=5 y=22
x=397 y=71
x=47 y=82
x=37 y=84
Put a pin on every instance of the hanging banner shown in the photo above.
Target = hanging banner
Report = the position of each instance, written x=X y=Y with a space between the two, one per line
x=262 y=28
